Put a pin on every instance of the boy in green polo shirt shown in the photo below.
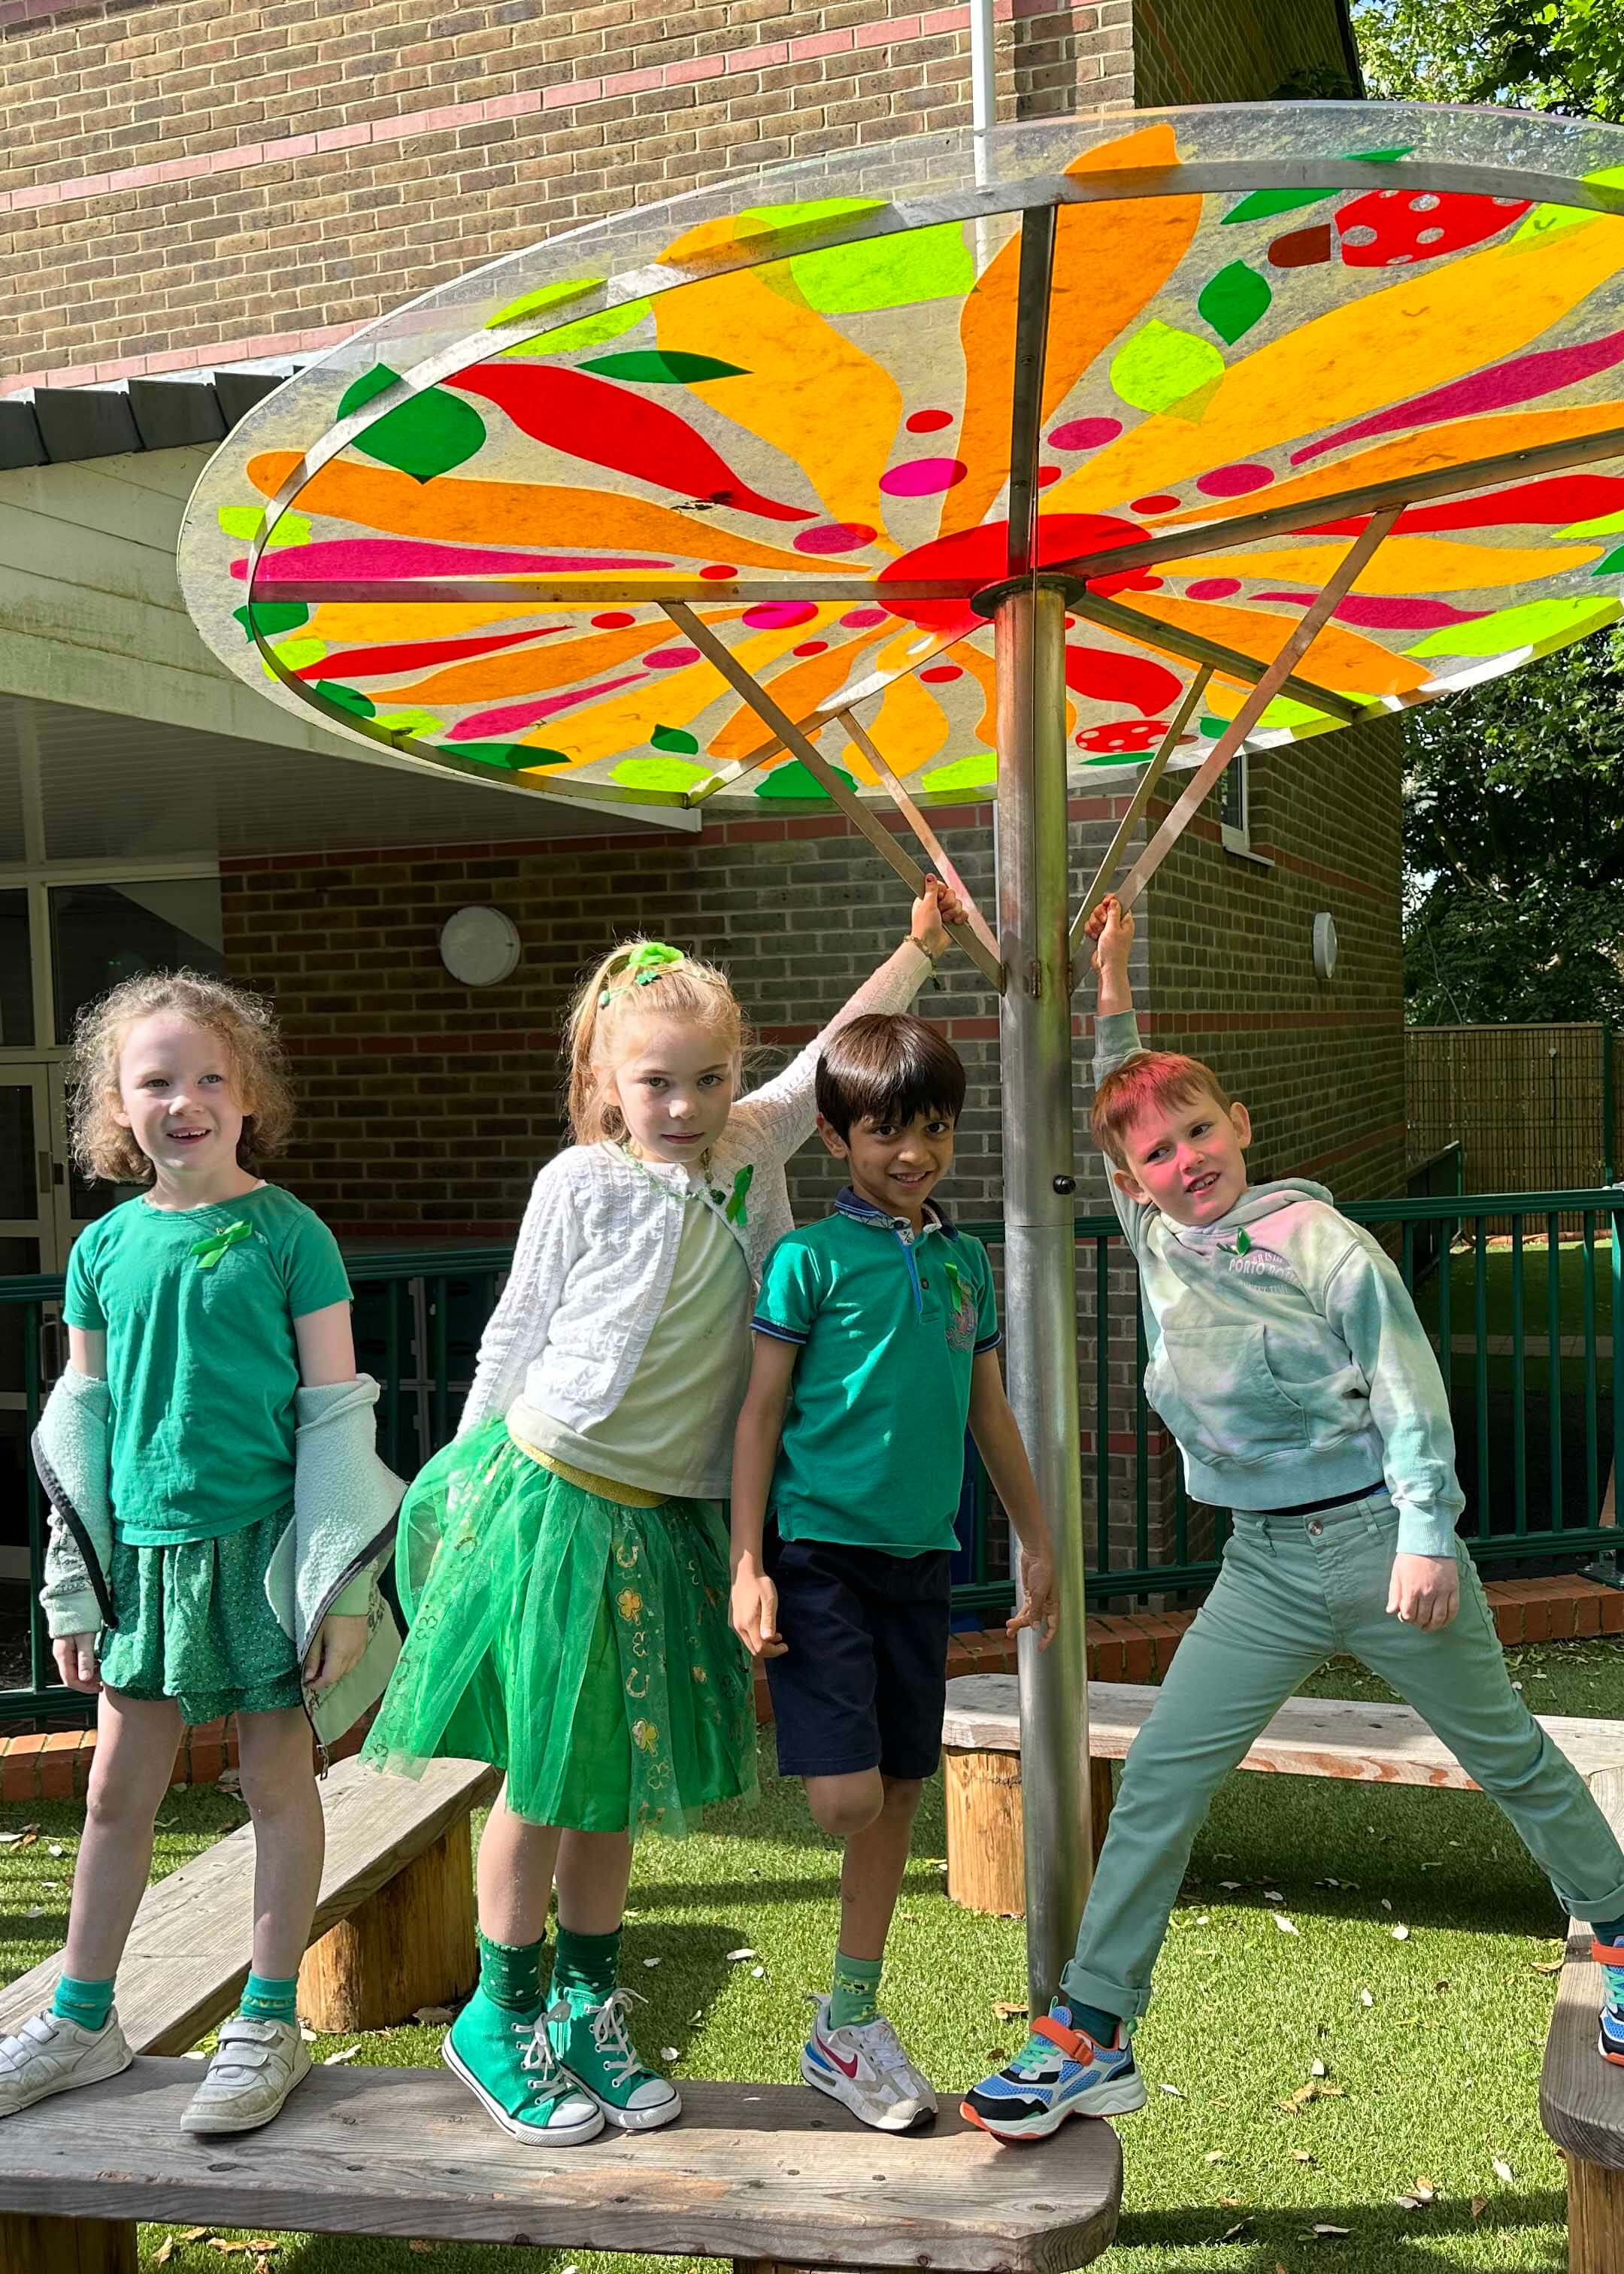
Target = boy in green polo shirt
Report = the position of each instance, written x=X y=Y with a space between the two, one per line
x=876 y=1338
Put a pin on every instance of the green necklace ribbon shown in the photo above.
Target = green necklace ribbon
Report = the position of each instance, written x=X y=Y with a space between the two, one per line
x=955 y=1280
x=208 y=1251
x=643 y=963
x=732 y=1205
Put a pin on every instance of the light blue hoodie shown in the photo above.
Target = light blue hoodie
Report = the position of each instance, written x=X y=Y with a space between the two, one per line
x=1288 y=1363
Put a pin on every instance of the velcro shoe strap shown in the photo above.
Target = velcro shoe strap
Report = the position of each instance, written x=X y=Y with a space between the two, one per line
x=1076 y=2044
x=1607 y=1953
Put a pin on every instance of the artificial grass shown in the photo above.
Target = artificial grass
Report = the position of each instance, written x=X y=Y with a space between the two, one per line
x=1438 y=2074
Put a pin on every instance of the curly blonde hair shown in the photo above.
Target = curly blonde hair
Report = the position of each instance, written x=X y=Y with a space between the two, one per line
x=610 y=1000
x=247 y=1024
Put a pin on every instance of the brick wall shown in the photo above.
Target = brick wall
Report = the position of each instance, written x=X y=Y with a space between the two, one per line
x=187 y=181
x=1240 y=51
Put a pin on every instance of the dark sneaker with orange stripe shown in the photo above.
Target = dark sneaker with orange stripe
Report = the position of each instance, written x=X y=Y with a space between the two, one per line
x=1059 y=2072
x=1609 y=1957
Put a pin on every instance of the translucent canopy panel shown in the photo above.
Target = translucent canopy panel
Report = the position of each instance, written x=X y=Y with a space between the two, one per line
x=1181 y=357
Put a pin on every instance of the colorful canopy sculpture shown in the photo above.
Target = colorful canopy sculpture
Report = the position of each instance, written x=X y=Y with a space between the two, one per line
x=818 y=421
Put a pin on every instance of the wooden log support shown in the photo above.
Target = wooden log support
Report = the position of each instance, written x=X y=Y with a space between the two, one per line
x=1595 y=2218
x=986 y=1867
x=66 y=2245
x=410 y=1945
x=1580 y=2103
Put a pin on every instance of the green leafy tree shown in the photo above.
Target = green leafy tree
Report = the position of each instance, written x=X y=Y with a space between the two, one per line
x=1538 y=54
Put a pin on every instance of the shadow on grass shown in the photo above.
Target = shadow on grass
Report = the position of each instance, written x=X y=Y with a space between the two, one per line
x=1378 y=2235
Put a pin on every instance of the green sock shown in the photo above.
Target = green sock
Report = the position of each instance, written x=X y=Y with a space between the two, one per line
x=1101 y=2027
x=854 y=1993
x=588 y=1965
x=87 y=2003
x=265 y=1999
x=510 y=1974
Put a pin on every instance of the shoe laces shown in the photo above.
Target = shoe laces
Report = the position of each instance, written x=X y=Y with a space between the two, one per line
x=1037 y=2054
x=538 y=2052
x=1614 y=1977
x=621 y=2058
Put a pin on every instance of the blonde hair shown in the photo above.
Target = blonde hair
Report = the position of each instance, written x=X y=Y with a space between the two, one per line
x=611 y=1000
x=1148 y=1081
x=247 y=1024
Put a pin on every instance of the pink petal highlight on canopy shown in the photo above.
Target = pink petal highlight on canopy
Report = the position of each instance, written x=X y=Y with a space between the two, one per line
x=923 y=476
x=1380 y=613
x=859 y=619
x=1213 y=588
x=1085 y=434
x=337 y=561
x=778 y=615
x=929 y=422
x=1233 y=481
x=513 y=718
x=671 y=659
x=834 y=537
x=1520 y=381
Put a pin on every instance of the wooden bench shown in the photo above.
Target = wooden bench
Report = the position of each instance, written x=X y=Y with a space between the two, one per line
x=1581 y=2096
x=1309 y=1736
x=393 y=1927
x=757 y=2173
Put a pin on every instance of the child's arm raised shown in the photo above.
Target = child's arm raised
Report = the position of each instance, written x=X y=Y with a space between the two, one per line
x=756 y=1449
x=784 y=1110
x=999 y=1441
x=1116 y=1030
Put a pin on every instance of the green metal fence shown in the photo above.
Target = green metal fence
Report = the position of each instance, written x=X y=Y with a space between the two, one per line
x=1525 y=1325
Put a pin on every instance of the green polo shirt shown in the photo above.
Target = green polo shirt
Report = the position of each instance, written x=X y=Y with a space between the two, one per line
x=888 y=1326
x=201 y=1360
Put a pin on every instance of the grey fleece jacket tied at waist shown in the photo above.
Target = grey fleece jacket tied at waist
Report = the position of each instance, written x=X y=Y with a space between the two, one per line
x=344 y=1503
x=1285 y=1352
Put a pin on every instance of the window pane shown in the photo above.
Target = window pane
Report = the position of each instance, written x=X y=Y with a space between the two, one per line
x=1232 y=793
x=19 y=1195
x=16 y=972
x=103 y=933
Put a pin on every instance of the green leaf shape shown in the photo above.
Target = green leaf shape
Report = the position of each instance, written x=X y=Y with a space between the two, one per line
x=1262 y=204
x=292 y=529
x=1606 y=177
x=1212 y=727
x=798 y=780
x=242 y=521
x=676 y=739
x=1233 y=300
x=1609 y=525
x=779 y=221
x=1549 y=221
x=270 y=617
x=428 y=434
x=1380 y=157
x=544 y=296
x=412 y=722
x=656 y=368
x=1613 y=566
x=1537 y=624
x=658 y=773
x=510 y=758
x=1160 y=368
x=979 y=771
x=585 y=332
x=294 y=654
x=346 y=698
x=900 y=271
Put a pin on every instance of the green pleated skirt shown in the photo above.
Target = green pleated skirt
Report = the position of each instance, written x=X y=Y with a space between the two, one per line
x=195 y=1624
x=579 y=1645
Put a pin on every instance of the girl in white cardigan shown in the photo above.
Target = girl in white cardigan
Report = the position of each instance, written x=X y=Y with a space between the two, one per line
x=563 y=1562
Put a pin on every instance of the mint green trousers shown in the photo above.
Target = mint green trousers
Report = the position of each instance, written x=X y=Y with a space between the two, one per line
x=1293 y=1592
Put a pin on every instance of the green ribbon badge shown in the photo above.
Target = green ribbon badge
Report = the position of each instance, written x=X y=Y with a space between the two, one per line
x=644 y=962
x=1243 y=1245
x=732 y=1205
x=208 y=1252
x=951 y=1272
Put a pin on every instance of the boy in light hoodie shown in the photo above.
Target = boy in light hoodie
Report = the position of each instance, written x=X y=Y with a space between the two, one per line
x=1287 y=1357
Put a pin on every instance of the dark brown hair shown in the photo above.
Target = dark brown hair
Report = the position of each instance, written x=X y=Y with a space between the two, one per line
x=888 y=1066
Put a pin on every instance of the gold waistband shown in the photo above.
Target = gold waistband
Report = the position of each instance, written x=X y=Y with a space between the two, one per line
x=606 y=1487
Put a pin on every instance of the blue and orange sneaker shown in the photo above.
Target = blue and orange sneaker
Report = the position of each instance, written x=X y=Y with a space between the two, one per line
x=1609 y=1957
x=1059 y=2072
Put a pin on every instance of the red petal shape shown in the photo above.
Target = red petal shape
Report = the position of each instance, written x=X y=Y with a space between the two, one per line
x=1552 y=503
x=592 y=419
x=413 y=655
x=1110 y=678
x=1523 y=379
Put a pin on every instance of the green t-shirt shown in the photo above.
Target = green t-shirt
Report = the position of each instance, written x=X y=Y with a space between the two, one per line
x=889 y=1325
x=201 y=1360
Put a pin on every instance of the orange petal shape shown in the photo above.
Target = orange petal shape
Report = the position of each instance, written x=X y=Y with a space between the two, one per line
x=512 y=513
x=1338 y=659
x=1109 y=260
x=1402 y=565
x=808 y=390
x=354 y=623
x=560 y=663
x=1429 y=327
x=798 y=691
x=908 y=730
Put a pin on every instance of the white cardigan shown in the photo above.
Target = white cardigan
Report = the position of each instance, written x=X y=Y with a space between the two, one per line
x=600 y=1241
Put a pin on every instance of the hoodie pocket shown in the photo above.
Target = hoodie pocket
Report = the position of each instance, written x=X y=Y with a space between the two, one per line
x=1216 y=1391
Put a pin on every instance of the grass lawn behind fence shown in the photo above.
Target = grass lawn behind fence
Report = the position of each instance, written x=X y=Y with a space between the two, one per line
x=1434 y=2079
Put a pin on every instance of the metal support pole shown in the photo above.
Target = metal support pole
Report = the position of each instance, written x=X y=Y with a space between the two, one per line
x=1040 y=1293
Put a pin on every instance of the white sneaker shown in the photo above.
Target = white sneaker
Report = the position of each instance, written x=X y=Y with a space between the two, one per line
x=49 y=2055
x=864 y=2067
x=256 y=2065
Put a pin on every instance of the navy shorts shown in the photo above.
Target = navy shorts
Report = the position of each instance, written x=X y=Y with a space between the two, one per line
x=863 y=1683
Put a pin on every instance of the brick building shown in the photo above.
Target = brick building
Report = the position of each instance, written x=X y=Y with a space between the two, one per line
x=211 y=191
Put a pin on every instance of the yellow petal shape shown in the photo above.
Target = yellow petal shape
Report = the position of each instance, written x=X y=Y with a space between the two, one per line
x=908 y=730
x=1402 y=565
x=620 y=724
x=536 y=514
x=378 y=623
x=798 y=691
x=1109 y=260
x=532 y=670
x=808 y=390
x=1338 y=659
x=1429 y=327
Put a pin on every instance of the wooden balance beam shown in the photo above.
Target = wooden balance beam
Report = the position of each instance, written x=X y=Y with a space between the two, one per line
x=759 y=2173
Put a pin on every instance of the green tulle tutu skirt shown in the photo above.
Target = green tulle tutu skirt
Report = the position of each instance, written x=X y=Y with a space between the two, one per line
x=580 y=1646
